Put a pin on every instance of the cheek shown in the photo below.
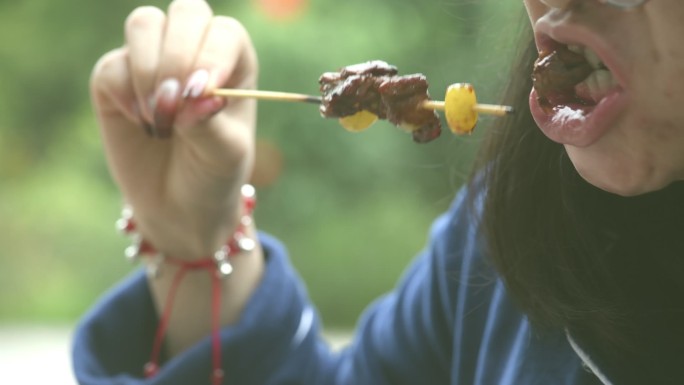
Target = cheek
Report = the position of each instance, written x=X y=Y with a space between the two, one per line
x=657 y=116
x=658 y=79
x=664 y=92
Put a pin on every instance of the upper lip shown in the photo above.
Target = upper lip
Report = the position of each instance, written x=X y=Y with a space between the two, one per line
x=549 y=33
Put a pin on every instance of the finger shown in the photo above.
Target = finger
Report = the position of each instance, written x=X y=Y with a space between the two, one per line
x=113 y=95
x=144 y=31
x=111 y=89
x=228 y=54
x=186 y=26
x=227 y=59
x=121 y=125
x=221 y=133
x=244 y=72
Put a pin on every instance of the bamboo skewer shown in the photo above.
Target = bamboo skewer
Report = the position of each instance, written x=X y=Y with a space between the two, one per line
x=487 y=109
x=267 y=95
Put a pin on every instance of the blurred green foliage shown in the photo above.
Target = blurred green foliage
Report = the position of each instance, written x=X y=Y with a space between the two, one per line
x=353 y=209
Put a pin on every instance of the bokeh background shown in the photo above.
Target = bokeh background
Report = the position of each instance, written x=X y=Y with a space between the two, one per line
x=353 y=209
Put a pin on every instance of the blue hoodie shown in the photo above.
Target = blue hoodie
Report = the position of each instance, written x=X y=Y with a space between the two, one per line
x=448 y=321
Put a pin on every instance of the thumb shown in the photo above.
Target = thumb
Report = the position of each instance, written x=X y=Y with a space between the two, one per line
x=220 y=134
x=198 y=112
x=199 y=106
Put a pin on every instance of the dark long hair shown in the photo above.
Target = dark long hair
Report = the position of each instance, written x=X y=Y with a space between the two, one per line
x=548 y=233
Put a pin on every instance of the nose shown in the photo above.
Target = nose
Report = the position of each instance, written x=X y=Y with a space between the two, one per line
x=556 y=3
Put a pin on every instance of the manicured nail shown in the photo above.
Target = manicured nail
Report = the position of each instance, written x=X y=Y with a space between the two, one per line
x=151 y=103
x=167 y=91
x=196 y=85
x=149 y=129
x=165 y=107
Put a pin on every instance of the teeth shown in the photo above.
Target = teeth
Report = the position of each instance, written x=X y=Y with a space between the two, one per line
x=597 y=85
x=593 y=59
x=590 y=55
x=576 y=48
x=604 y=80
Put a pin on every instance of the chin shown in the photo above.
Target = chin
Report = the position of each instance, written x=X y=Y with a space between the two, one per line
x=608 y=166
x=625 y=182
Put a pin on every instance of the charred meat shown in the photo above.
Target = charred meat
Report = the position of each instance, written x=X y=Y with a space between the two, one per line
x=376 y=87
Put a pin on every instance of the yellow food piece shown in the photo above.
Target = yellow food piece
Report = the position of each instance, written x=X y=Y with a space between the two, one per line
x=359 y=121
x=459 y=108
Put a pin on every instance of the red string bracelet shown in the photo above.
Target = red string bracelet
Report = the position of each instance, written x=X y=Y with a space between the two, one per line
x=218 y=266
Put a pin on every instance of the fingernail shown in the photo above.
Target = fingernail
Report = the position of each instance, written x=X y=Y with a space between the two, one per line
x=151 y=103
x=165 y=107
x=196 y=85
x=149 y=129
x=167 y=91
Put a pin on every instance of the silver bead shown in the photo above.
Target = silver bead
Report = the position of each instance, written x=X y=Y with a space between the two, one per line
x=246 y=244
x=248 y=191
x=222 y=254
x=127 y=212
x=224 y=269
x=154 y=266
x=122 y=225
x=132 y=253
x=246 y=220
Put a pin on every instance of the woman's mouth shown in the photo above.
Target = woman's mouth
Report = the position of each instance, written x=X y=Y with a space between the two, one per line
x=575 y=97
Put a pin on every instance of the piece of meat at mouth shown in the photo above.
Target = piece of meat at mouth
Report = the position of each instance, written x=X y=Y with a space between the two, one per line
x=555 y=75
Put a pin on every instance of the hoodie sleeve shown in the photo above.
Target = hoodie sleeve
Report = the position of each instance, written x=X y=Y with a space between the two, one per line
x=446 y=322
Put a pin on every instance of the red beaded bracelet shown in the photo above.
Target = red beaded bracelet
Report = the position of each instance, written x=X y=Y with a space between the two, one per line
x=218 y=266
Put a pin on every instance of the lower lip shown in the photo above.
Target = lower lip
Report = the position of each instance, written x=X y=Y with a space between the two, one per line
x=580 y=126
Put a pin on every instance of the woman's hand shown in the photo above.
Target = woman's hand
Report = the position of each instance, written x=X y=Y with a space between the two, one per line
x=178 y=155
